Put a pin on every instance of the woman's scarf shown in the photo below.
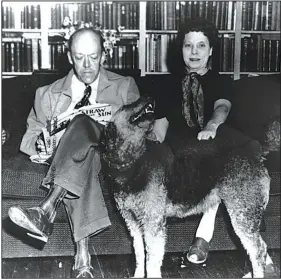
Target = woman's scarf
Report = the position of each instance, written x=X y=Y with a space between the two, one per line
x=193 y=101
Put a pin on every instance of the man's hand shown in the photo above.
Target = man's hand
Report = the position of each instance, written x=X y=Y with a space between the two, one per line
x=41 y=148
x=39 y=144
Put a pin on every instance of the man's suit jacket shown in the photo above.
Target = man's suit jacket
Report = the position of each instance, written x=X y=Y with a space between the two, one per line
x=54 y=99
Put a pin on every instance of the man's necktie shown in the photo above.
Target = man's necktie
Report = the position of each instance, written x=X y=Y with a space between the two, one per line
x=85 y=99
x=193 y=101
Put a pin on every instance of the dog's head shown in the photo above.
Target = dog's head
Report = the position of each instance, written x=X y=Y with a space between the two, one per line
x=124 y=136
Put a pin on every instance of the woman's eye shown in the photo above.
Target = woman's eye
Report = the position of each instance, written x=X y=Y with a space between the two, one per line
x=202 y=45
x=187 y=45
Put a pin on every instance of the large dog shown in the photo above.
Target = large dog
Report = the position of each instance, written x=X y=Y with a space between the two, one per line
x=150 y=184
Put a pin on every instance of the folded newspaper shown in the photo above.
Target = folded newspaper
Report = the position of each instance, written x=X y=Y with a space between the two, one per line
x=55 y=128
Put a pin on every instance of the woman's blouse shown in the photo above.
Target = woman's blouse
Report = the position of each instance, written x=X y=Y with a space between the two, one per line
x=167 y=93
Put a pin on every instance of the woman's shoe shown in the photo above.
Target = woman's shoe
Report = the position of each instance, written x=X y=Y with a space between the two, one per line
x=83 y=272
x=198 y=251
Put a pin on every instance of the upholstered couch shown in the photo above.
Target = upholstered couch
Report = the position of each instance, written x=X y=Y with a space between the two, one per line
x=256 y=105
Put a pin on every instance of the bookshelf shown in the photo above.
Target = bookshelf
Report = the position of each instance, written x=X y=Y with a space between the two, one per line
x=249 y=33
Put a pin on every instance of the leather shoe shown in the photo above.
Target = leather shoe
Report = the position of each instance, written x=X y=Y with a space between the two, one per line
x=34 y=220
x=198 y=251
x=83 y=272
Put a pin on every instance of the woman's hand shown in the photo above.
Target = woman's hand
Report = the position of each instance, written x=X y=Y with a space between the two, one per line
x=208 y=132
x=221 y=111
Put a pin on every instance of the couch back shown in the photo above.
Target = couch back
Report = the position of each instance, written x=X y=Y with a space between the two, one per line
x=256 y=102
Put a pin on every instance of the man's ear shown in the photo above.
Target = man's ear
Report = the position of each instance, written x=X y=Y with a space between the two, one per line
x=69 y=57
x=103 y=58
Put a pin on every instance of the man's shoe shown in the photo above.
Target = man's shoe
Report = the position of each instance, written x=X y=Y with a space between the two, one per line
x=83 y=272
x=34 y=220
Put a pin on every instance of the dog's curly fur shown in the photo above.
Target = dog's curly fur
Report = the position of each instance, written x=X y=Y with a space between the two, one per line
x=151 y=184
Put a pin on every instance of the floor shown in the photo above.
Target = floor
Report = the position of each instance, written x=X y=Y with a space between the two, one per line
x=226 y=264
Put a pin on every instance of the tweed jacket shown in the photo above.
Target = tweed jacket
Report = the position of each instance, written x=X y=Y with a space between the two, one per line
x=54 y=99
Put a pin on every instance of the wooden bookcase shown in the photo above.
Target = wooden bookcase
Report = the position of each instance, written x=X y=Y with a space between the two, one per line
x=15 y=23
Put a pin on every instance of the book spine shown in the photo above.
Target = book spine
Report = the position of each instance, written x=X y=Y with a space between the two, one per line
x=263 y=15
x=244 y=16
x=4 y=17
x=177 y=15
x=170 y=15
x=277 y=56
x=100 y=20
x=147 y=46
x=226 y=53
x=135 y=15
x=128 y=15
x=3 y=60
x=104 y=21
x=273 y=17
x=96 y=13
x=120 y=55
x=269 y=62
x=34 y=47
x=17 y=56
x=84 y=15
x=12 y=45
x=136 y=56
x=278 y=11
x=8 y=57
x=28 y=54
x=110 y=15
x=163 y=53
x=269 y=16
x=123 y=15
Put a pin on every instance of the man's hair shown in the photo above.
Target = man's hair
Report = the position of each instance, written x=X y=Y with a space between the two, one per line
x=82 y=30
x=197 y=25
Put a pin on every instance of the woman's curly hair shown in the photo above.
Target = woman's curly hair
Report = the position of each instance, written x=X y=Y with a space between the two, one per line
x=197 y=25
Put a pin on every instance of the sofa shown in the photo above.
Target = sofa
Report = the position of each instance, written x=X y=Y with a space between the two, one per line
x=255 y=111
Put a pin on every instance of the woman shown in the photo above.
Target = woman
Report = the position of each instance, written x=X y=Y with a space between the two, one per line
x=194 y=105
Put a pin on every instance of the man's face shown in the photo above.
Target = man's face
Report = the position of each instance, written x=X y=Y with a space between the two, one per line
x=196 y=51
x=85 y=56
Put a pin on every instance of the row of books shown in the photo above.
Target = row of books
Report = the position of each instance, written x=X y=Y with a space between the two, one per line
x=109 y=14
x=160 y=48
x=124 y=57
x=257 y=54
x=261 y=15
x=23 y=17
x=169 y=14
x=261 y=55
x=20 y=54
x=24 y=55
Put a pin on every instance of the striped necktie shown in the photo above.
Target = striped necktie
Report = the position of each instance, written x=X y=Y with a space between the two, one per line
x=85 y=99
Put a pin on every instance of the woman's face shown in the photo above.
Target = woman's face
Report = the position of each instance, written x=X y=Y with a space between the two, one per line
x=196 y=51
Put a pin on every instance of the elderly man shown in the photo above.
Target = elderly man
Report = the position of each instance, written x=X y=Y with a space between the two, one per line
x=73 y=173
